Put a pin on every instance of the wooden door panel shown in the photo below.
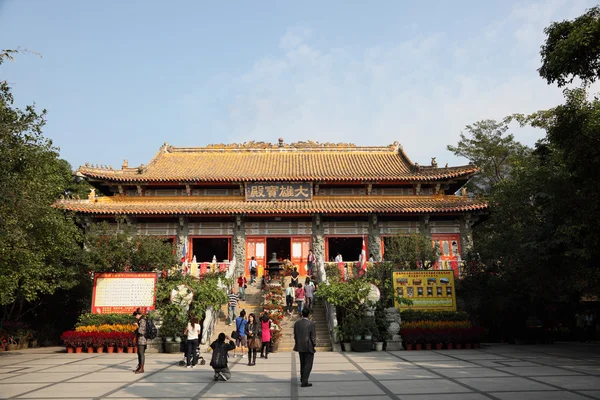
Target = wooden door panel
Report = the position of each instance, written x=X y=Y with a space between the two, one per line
x=255 y=247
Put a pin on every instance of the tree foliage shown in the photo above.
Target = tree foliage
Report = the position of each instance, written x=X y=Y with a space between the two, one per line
x=410 y=252
x=572 y=49
x=40 y=246
x=116 y=247
x=492 y=150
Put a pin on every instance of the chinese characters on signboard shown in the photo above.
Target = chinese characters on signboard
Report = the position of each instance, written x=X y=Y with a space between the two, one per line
x=123 y=292
x=278 y=191
x=428 y=290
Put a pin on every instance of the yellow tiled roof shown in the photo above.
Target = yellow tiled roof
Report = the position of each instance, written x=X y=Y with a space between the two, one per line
x=341 y=205
x=266 y=162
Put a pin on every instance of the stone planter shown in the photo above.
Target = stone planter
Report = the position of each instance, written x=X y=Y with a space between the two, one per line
x=347 y=346
x=171 y=347
x=378 y=346
x=362 y=345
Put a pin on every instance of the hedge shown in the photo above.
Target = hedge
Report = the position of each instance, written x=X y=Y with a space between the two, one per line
x=104 y=319
x=419 y=315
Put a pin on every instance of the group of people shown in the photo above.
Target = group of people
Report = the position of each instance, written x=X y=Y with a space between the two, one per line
x=256 y=334
x=302 y=295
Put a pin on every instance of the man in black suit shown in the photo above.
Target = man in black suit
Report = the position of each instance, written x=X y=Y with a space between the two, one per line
x=305 y=338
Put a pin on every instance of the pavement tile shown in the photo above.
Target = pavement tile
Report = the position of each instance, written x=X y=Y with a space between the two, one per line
x=581 y=382
x=234 y=389
x=469 y=372
x=346 y=389
x=538 y=370
x=586 y=369
x=41 y=377
x=335 y=376
x=446 y=364
x=403 y=374
x=67 y=390
x=503 y=384
x=387 y=365
x=446 y=396
x=8 y=390
x=75 y=368
x=159 y=391
x=594 y=393
x=424 y=386
x=545 y=395
x=331 y=367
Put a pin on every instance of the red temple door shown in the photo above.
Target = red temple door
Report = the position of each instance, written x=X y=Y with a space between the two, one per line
x=256 y=247
x=300 y=247
x=449 y=246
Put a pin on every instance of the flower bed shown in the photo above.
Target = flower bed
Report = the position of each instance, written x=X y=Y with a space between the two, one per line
x=97 y=340
x=107 y=328
x=273 y=302
x=441 y=333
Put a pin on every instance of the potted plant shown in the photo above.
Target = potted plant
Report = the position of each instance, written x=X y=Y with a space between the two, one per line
x=110 y=338
x=344 y=336
x=67 y=339
x=408 y=335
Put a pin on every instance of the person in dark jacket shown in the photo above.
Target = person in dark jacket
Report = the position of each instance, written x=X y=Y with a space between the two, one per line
x=305 y=338
x=254 y=335
x=219 y=357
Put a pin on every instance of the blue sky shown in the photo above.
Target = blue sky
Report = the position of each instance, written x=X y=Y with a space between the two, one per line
x=120 y=78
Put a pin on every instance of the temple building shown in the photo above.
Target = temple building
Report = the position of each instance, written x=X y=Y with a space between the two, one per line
x=255 y=199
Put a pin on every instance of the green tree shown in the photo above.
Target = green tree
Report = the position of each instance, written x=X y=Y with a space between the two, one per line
x=411 y=252
x=40 y=246
x=492 y=150
x=116 y=247
x=572 y=49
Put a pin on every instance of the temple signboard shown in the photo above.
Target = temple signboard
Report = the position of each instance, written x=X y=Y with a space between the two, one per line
x=123 y=292
x=428 y=290
x=269 y=191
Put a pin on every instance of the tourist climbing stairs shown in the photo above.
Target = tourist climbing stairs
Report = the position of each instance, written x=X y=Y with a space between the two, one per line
x=253 y=304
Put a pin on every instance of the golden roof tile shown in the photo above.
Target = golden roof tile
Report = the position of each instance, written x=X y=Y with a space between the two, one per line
x=303 y=161
x=349 y=205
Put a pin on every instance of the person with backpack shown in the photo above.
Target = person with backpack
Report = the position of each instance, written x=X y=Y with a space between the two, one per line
x=219 y=357
x=252 y=265
x=240 y=328
x=140 y=334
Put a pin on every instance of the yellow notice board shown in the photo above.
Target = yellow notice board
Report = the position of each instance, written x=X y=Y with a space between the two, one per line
x=428 y=290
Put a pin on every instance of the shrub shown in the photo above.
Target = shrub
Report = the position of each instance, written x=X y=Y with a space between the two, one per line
x=88 y=319
x=420 y=315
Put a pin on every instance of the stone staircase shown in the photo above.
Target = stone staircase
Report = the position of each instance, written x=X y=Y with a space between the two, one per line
x=253 y=304
x=318 y=316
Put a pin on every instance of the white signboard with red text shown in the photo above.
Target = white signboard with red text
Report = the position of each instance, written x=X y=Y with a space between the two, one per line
x=123 y=292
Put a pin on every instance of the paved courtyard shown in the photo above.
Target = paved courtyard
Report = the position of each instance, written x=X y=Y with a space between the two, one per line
x=560 y=371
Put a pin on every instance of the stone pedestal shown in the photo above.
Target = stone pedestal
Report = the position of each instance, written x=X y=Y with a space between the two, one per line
x=394 y=320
